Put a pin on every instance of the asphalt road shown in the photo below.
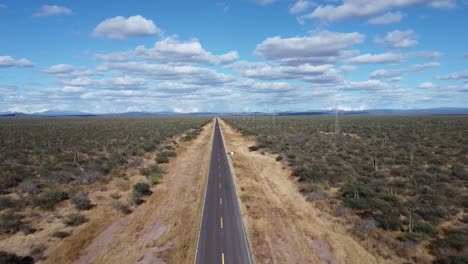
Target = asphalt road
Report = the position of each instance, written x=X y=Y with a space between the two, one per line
x=222 y=239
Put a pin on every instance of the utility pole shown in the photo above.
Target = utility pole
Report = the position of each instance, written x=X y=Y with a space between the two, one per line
x=337 y=122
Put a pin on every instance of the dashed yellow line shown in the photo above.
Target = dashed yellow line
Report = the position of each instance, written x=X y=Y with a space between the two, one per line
x=220 y=185
x=222 y=223
x=220 y=201
x=222 y=258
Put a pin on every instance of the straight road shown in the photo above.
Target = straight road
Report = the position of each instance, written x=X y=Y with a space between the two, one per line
x=222 y=239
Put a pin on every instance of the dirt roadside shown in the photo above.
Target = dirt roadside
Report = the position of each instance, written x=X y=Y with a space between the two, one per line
x=282 y=226
x=162 y=230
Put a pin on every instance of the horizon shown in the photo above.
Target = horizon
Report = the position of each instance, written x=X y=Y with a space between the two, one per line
x=218 y=56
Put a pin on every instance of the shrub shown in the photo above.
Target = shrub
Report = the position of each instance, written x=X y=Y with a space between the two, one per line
x=61 y=234
x=81 y=201
x=142 y=188
x=278 y=158
x=170 y=153
x=161 y=158
x=6 y=202
x=253 y=148
x=154 y=169
x=10 y=221
x=49 y=198
x=75 y=219
x=122 y=207
x=10 y=258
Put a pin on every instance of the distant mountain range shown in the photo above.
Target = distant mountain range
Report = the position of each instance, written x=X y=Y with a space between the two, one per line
x=429 y=111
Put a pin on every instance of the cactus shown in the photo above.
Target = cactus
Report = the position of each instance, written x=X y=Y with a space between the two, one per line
x=411 y=221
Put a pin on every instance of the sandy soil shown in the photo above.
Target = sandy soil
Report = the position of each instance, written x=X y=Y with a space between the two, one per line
x=164 y=229
x=283 y=227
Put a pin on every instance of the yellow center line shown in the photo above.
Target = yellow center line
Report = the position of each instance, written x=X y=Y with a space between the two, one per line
x=222 y=258
x=221 y=222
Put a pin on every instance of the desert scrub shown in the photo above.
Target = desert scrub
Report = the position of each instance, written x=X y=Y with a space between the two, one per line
x=10 y=258
x=121 y=207
x=81 y=201
x=10 y=221
x=75 y=219
x=140 y=189
x=407 y=174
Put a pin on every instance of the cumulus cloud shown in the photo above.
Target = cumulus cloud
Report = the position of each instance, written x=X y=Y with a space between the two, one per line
x=188 y=73
x=454 y=76
x=52 y=10
x=73 y=89
x=299 y=7
x=377 y=58
x=67 y=71
x=8 y=61
x=443 y=4
x=384 y=73
x=117 y=83
x=250 y=85
x=171 y=50
x=387 y=18
x=369 y=85
x=264 y=71
x=349 y=9
x=427 y=85
x=399 y=39
x=121 y=28
x=322 y=47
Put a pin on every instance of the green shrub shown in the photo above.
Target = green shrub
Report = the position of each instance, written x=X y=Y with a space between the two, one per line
x=61 y=234
x=81 y=201
x=49 y=198
x=75 y=219
x=10 y=258
x=142 y=188
x=10 y=221
x=161 y=158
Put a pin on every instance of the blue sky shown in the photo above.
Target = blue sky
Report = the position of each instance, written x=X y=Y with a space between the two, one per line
x=246 y=55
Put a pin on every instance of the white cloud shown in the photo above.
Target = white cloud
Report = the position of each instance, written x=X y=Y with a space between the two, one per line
x=264 y=71
x=443 y=4
x=299 y=7
x=369 y=85
x=8 y=61
x=117 y=83
x=349 y=9
x=67 y=71
x=250 y=85
x=171 y=50
x=384 y=73
x=187 y=73
x=399 y=39
x=73 y=89
x=387 y=18
x=121 y=28
x=377 y=58
x=427 y=85
x=454 y=76
x=52 y=10
x=323 y=47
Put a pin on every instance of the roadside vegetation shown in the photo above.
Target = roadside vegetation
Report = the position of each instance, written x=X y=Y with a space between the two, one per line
x=405 y=177
x=52 y=163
